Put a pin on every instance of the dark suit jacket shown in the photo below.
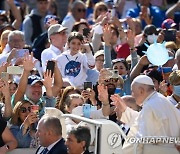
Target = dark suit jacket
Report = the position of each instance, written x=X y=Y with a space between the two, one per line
x=58 y=148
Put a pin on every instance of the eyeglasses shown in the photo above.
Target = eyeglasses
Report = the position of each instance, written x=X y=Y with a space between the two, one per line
x=16 y=40
x=101 y=60
x=112 y=80
x=81 y=10
x=102 y=9
x=24 y=110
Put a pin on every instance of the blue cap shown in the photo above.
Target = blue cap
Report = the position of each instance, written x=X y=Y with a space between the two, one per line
x=168 y=23
x=34 y=79
x=46 y=19
x=165 y=69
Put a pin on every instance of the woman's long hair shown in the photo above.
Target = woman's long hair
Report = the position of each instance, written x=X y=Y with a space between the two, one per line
x=15 y=120
x=61 y=104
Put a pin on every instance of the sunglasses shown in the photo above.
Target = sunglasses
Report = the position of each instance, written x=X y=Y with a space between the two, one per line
x=24 y=110
x=81 y=10
x=101 y=60
x=112 y=80
x=102 y=9
x=151 y=33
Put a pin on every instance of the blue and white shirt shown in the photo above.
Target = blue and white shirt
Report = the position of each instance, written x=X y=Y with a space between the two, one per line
x=74 y=68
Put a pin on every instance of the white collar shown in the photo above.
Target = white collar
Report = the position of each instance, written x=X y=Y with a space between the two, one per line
x=55 y=49
x=150 y=95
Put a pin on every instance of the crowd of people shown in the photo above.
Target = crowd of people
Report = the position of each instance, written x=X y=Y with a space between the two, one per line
x=89 y=58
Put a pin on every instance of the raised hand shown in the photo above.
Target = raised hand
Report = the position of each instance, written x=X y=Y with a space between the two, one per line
x=89 y=94
x=104 y=21
x=144 y=61
x=131 y=24
x=48 y=79
x=144 y=15
x=163 y=87
x=1 y=84
x=119 y=103
x=130 y=38
x=100 y=17
x=12 y=56
x=103 y=94
x=85 y=94
x=3 y=150
x=30 y=119
x=5 y=88
x=85 y=48
x=107 y=35
x=48 y=83
x=3 y=67
x=28 y=62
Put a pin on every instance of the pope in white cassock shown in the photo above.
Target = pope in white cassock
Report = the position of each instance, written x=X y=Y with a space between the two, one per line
x=158 y=117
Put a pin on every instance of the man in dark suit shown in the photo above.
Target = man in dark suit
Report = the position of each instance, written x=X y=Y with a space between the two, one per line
x=49 y=131
x=78 y=140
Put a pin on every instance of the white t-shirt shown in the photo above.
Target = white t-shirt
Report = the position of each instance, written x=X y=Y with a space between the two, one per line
x=49 y=54
x=74 y=68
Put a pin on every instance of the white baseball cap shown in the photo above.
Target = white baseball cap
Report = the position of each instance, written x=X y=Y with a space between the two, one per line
x=55 y=29
x=98 y=53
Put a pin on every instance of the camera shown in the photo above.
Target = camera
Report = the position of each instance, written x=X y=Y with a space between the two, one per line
x=113 y=73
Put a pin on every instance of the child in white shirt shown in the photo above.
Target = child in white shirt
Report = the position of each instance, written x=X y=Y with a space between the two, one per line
x=73 y=64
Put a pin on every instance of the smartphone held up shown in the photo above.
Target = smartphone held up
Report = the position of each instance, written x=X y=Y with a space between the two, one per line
x=21 y=53
x=50 y=66
x=35 y=109
x=88 y=85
